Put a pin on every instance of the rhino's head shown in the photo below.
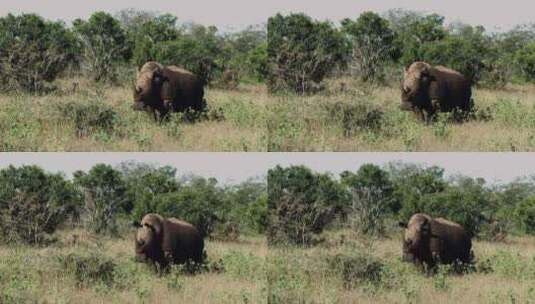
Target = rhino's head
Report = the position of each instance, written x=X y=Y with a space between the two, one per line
x=148 y=238
x=147 y=89
x=416 y=236
x=415 y=85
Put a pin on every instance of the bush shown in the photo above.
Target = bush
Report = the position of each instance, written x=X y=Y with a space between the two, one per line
x=88 y=117
x=524 y=215
x=195 y=48
x=300 y=204
x=301 y=52
x=149 y=32
x=372 y=45
x=88 y=269
x=33 y=204
x=464 y=52
x=34 y=52
x=200 y=203
x=257 y=60
x=103 y=43
x=356 y=269
x=354 y=117
x=525 y=59
x=103 y=189
x=455 y=206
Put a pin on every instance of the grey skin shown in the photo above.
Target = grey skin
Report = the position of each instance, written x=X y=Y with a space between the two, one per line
x=427 y=89
x=429 y=241
x=165 y=241
x=162 y=89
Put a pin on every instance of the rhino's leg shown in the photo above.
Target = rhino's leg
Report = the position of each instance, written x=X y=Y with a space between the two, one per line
x=419 y=113
x=168 y=105
x=169 y=256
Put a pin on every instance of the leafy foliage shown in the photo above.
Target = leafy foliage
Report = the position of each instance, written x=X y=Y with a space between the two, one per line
x=371 y=39
x=104 y=45
x=103 y=189
x=301 y=52
x=34 y=52
x=300 y=204
x=33 y=204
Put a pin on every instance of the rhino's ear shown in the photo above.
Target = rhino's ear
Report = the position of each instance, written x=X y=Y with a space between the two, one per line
x=402 y=224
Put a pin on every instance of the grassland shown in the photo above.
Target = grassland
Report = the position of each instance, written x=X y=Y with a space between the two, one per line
x=349 y=269
x=359 y=117
x=350 y=119
x=81 y=268
x=88 y=117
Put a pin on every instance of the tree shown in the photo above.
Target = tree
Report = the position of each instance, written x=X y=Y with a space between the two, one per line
x=525 y=60
x=103 y=43
x=198 y=201
x=413 y=31
x=257 y=61
x=197 y=49
x=34 y=203
x=412 y=183
x=301 y=52
x=300 y=204
x=33 y=52
x=524 y=215
x=103 y=189
x=372 y=45
x=244 y=52
x=373 y=177
x=147 y=33
x=464 y=49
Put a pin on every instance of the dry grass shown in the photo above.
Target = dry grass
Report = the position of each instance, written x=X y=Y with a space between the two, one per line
x=510 y=278
x=305 y=123
x=36 y=123
x=34 y=275
x=332 y=120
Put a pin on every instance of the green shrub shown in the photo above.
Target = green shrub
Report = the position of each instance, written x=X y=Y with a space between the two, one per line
x=104 y=45
x=244 y=266
x=33 y=204
x=103 y=189
x=300 y=204
x=525 y=59
x=285 y=279
x=356 y=269
x=88 y=117
x=372 y=42
x=463 y=51
x=524 y=215
x=301 y=52
x=354 y=117
x=88 y=269
x=198 y=202
x=34 y=52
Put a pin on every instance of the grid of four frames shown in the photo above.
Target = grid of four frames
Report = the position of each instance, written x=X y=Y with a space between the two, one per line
x=295 y=153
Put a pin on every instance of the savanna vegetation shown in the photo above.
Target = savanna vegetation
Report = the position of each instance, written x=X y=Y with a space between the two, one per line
x=65 y=240
x=337 y=87
x=336 y=239
x=70 y=87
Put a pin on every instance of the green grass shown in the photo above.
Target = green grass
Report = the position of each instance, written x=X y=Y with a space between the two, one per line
x=360 y=118
x=368 y=118
x=100 y=118
x=83 y=268
x=353 y=269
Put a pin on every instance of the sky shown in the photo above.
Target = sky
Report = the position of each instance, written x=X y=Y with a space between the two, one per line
x=229 y=14
x=230 y=168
